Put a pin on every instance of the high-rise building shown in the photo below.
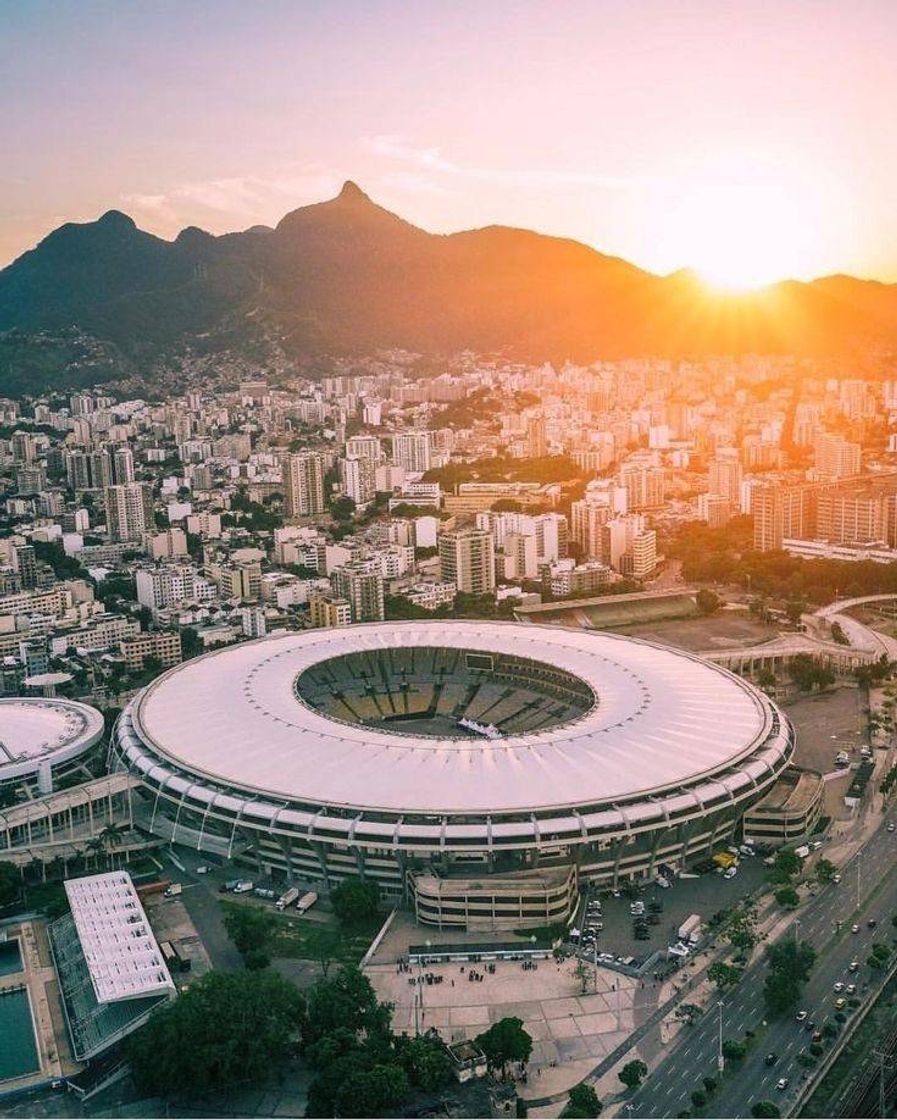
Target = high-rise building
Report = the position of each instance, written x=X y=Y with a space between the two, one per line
x=364 y=447
x=122 y=465
x=129 y=510
x=725 y=476
x=26 y=565
x=303 y=484
x=836 y=458
x=412 y=450
x=783 y=513
x=536 y=442
x=588 y=519
x=467 y=557
x=328 y=610
x=357 y=475
x=644 y=486
x=361 y=585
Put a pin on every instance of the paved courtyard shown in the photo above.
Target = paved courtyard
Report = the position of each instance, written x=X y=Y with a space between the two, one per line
x=566 y=1026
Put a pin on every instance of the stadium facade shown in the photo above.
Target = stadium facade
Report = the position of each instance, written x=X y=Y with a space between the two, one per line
x=480 y=769
x=42 y=739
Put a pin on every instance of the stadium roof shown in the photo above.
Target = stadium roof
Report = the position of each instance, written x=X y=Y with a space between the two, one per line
x=121 y=952
x=33 y=730
x=662 y=719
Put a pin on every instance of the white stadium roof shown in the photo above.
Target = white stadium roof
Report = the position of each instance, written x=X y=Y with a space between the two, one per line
x=34 y=730
x=121 y=952
x=662 y=719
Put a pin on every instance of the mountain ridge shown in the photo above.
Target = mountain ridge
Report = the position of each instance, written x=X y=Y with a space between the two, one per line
x=346 y=276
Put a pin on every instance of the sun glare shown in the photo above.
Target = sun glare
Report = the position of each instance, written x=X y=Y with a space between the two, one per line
x=744 y=223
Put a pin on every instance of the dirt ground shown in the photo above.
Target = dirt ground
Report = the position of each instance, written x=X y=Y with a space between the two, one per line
x=826 y=724
x=722 y=631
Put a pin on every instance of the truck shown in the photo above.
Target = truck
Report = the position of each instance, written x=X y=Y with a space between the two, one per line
x=174 y=890
x=724 y=860
x=243 y=885
x=690 y=930
x=156 y=887
x=287 y=897
x=307 y=901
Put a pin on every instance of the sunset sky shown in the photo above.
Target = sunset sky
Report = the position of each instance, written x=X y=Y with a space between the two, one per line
x=751 y=140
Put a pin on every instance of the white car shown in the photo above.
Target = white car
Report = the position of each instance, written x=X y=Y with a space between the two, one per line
x=782 y=1083
x=801 y=1016
x=730 y=872
x=839 y=987
x=891 y=826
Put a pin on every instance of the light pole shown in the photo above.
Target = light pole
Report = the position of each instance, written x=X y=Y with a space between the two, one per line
x=796 y=930
x=859 y=862
x=720 y=1060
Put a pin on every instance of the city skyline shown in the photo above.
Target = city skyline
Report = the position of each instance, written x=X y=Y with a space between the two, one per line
x=639 y=132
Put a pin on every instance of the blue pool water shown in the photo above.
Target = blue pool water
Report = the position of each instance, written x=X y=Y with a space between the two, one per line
x=10 y=958
x=18 y=1054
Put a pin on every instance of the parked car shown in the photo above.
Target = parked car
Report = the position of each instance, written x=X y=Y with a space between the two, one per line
x=782 y=1084
x=854 y=966
x=801 y=1016
x=730 y=872
x=771 y=1059
x=838 y=987
x=840 y=1003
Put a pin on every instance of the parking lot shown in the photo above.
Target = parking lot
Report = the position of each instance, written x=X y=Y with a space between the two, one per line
x=703 y=896
x=826 y=724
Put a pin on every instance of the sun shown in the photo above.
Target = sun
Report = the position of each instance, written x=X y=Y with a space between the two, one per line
x=744 y=223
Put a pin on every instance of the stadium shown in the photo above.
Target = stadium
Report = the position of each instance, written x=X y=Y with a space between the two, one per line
x=480 y=770
x=44 y=739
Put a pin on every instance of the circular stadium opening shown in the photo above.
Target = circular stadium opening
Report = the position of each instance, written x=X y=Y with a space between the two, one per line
x=445 y=693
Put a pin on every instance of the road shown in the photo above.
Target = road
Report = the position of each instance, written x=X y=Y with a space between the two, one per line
x=667 y=1092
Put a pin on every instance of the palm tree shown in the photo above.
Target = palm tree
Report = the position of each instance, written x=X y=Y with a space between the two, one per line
x=112 y=835
x=96 y=847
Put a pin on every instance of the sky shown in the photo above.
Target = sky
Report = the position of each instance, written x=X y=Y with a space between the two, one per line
x=750 y=140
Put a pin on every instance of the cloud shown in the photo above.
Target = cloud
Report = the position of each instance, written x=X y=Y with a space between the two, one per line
x=431 y=160
x=239 y=200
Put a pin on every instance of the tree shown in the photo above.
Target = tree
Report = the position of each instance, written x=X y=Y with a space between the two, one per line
x=765 y=1109
x=699 y=1098
x=425 y=1060
x=787 y=897
x=355 y=900
x=342 y=508
x=370 y=1092
x=766 y=679
x=709 y=1084
x=344 y=1000
x=787 y=862
x=632 y=1073
x=505 y=1041
x=724 y=975
x=583 y=1103
x=790 y=964
x=224 y=1029
x=251 y=930
x=10 y=883
x=826 y=871
x=707 y=602
x=734 y=1049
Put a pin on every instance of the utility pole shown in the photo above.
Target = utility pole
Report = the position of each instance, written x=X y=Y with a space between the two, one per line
x=797 y=931
x=859 y=862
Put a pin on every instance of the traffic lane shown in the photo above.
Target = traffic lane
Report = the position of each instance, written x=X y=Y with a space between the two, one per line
x=788 y=1039
x=832 y=903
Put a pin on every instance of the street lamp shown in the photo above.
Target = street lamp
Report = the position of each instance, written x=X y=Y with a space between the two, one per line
x=796 y=930
x=720 y=1060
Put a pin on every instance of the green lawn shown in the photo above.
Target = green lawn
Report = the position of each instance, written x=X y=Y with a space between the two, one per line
x=307 y=939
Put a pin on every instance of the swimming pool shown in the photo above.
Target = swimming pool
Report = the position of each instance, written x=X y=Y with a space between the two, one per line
x=10 y=958
x=18 y=1054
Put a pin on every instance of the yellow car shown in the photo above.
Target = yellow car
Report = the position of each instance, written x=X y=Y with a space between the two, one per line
x=840 y=1003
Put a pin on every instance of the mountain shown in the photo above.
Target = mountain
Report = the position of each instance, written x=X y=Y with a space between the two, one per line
x=347 y=276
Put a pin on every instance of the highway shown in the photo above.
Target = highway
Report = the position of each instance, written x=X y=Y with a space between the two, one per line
x=668 y=1089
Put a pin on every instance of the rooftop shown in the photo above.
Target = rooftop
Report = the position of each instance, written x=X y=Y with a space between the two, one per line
x=122 y=955
x=661 y=718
